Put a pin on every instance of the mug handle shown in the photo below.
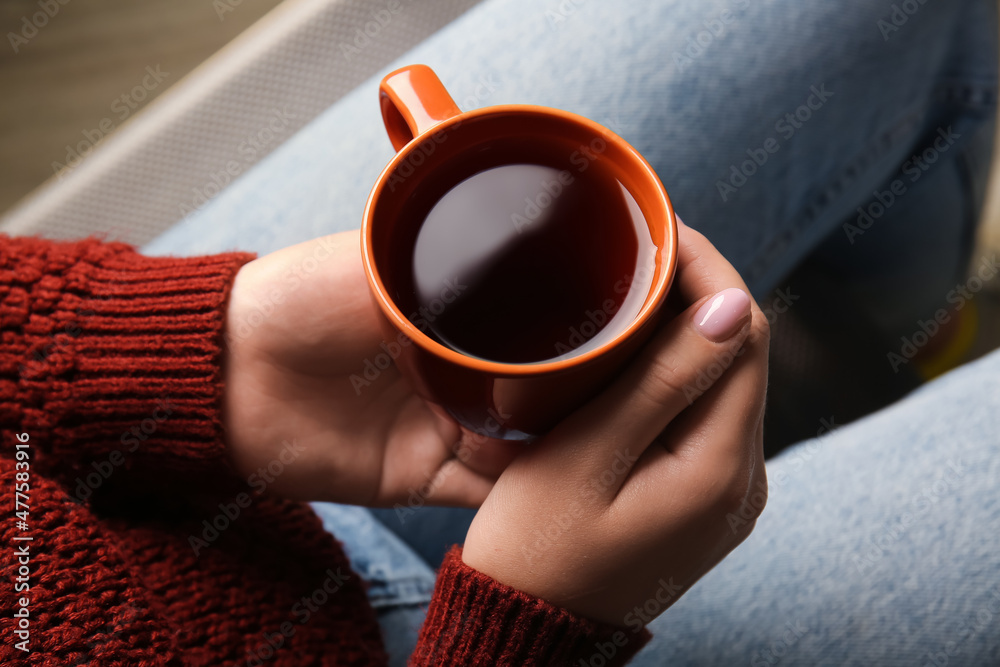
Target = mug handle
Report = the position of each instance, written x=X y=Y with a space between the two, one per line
x=413 y=100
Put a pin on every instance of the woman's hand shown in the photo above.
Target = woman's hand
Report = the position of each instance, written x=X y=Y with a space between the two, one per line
x=621 y=508
x=301 y=398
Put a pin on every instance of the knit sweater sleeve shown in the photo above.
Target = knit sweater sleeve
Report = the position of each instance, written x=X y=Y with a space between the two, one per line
x=103 y=350
x=475 y=620
x=110 y=356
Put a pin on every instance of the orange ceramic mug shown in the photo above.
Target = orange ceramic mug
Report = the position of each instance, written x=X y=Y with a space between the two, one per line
x=513 y=401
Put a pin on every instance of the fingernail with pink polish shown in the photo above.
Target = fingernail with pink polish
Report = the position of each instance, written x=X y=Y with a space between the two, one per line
x=723 y=315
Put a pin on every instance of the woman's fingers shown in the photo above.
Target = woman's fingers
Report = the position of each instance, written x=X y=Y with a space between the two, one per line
x=681 y=362
x=712 y=453
x=599 y=514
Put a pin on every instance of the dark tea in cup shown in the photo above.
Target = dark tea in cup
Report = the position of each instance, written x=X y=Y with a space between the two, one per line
x=522 y=251
x=517 y=255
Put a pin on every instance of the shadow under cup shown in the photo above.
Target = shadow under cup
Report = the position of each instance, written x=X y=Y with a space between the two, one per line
x=513 y=401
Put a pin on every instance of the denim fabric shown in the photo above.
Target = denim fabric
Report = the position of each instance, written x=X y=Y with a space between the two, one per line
x=696 y=113
x=430 y=531
x=770 y=122
x=879 y=546
x=400 y=584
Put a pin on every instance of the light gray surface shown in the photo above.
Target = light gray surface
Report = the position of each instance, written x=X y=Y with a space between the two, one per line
x=225 y=116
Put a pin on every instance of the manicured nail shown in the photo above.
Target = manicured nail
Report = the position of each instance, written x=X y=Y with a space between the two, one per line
x=723 y=315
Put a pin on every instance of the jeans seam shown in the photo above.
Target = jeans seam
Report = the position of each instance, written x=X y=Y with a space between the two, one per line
x=875 y=149
x=969 y=96
x=402 y=592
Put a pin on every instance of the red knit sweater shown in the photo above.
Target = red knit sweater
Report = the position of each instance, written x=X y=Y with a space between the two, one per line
x=112 y=457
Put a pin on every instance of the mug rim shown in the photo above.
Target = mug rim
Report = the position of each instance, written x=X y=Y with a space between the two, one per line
x=654 y=298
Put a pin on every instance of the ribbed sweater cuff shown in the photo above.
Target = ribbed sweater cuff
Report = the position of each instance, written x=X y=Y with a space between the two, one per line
x=474 y=620
x=123 y=352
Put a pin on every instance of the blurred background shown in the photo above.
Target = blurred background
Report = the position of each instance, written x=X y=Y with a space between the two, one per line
x=91 y=67
x=71 y=76
x=85 y=73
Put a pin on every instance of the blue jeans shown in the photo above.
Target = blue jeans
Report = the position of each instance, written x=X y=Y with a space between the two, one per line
x=858 y=132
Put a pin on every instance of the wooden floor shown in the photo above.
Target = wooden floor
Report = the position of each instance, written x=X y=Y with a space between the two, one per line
x=89 y=67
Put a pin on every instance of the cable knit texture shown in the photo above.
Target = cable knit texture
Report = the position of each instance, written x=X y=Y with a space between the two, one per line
x=139 y=553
